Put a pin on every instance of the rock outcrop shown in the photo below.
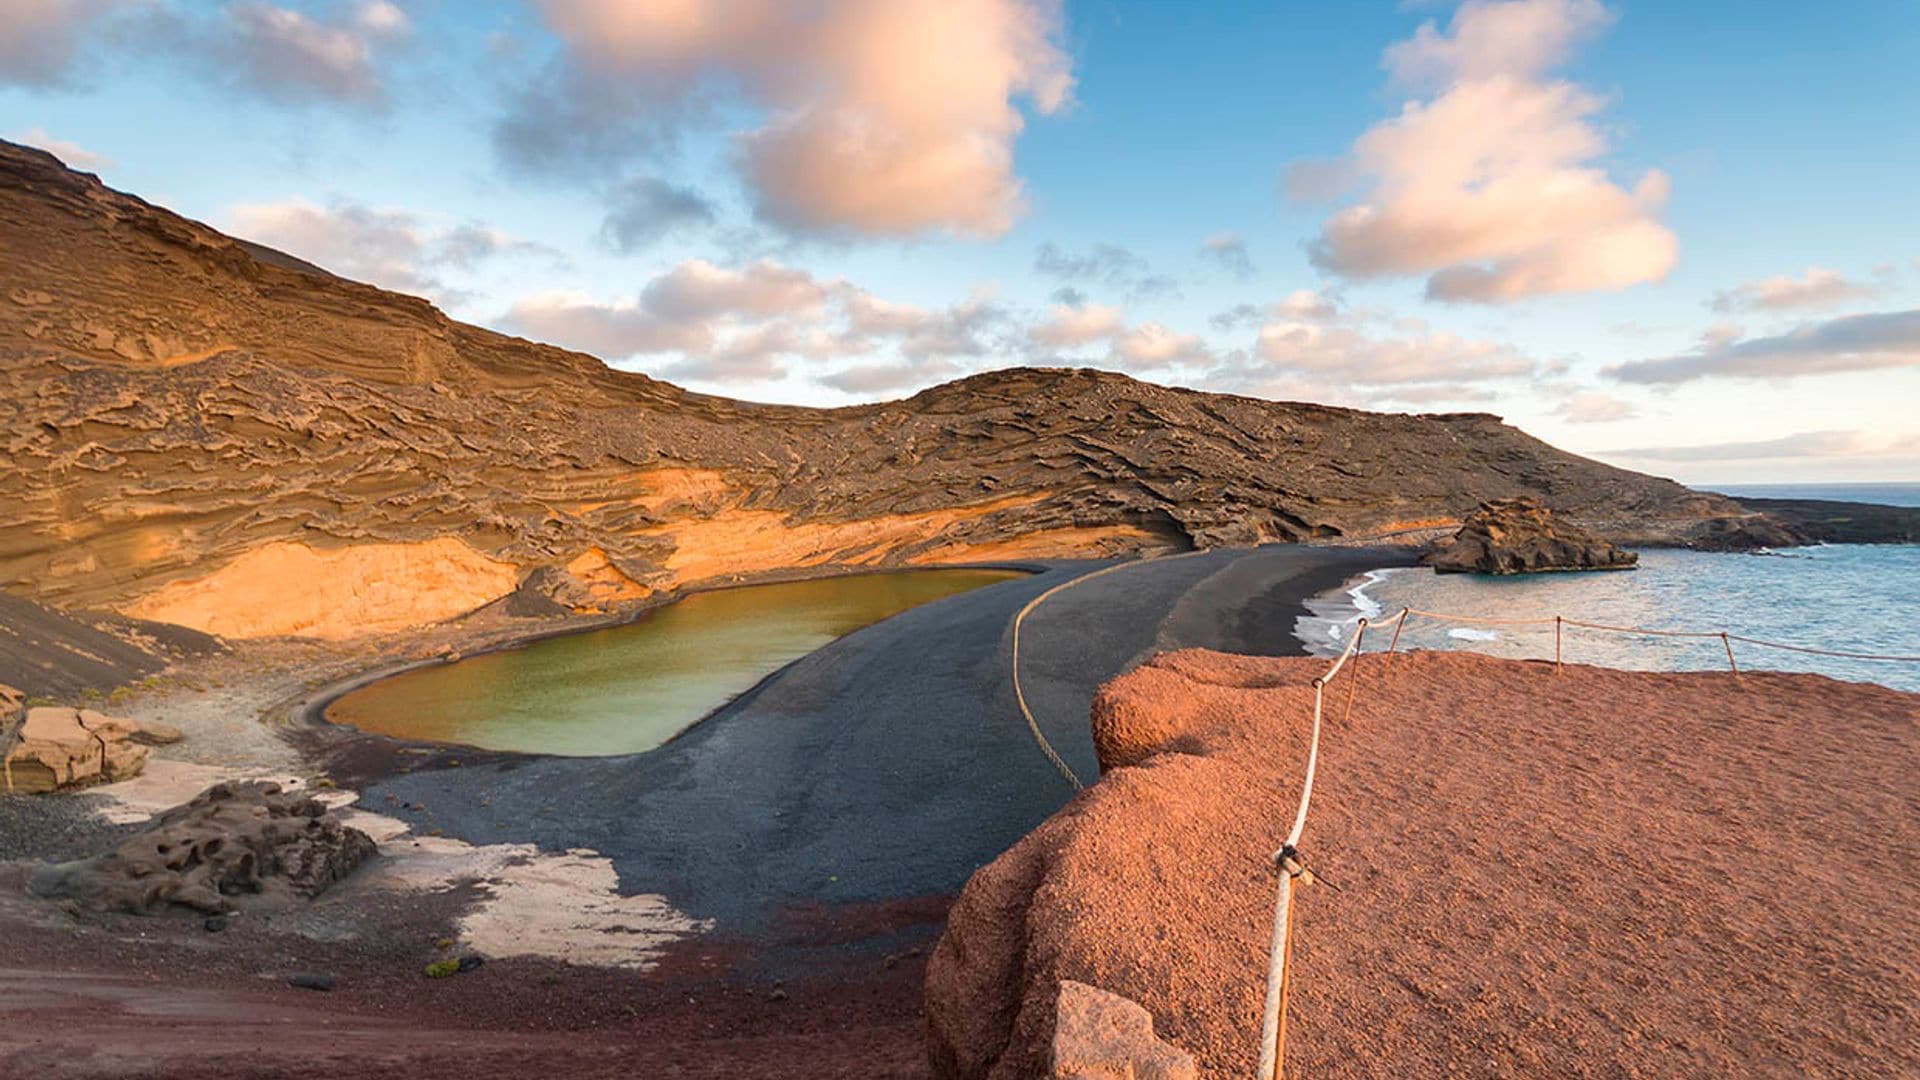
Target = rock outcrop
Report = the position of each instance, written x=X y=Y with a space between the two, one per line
x=1754 y=533
x=58 y=748
x=1521 y=536
x=1511 y=883
x=1824 y=521
x=178 y=403
x=231 y=843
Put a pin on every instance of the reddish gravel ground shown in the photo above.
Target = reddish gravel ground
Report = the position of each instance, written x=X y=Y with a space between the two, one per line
x=156 y=998
x=1591 y=873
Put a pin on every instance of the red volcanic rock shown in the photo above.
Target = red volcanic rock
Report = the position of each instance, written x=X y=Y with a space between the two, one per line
x=1590 y=873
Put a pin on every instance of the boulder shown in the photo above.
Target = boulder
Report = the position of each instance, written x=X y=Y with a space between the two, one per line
x=1099 y=1035
x=58 y=748
x=1521 y=536
x=234 y=840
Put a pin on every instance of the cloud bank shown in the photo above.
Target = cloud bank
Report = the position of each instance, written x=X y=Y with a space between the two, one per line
x=1817 y=287
x=1490 y=186
x=880 y=117
x=1870 y=342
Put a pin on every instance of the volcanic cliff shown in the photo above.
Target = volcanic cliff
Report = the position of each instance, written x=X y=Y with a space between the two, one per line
x=205 y=432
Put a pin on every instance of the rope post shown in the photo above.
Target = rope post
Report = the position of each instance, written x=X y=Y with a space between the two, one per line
x=1728 y=642
x=1399 y=625
x=1353 y=679
x=1557 y=620
x=1273 y=1032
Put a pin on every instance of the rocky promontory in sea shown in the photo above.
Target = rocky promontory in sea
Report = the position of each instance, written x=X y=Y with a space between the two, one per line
x=1521 y=536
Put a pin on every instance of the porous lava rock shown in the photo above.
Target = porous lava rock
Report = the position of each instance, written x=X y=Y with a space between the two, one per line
x=58 y=748
x=1525 y=874
x=231 y=842
x=1521 y=536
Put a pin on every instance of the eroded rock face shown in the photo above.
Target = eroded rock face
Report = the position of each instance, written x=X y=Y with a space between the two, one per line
x=178 y=402
x=1521 y=536
x=232 y=842
x=58 y=748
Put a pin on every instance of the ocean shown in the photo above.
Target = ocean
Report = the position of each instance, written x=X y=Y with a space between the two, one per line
x=1843 y=597
x=1884 y=494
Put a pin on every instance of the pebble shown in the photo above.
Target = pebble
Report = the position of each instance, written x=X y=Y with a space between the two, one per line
x=215 y=923
x=311 y=980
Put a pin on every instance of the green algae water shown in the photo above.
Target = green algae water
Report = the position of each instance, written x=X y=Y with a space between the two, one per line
x=630 y=688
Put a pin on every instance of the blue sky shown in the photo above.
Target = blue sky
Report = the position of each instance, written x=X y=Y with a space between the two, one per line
x=1680 y=237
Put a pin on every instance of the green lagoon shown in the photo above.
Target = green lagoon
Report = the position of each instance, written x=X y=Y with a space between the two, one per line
x=630 y=688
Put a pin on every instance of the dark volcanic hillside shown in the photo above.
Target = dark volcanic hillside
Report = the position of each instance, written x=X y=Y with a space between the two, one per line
x=202 y=432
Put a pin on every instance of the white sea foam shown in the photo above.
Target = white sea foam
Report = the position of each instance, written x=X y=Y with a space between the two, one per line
x=1464 y=634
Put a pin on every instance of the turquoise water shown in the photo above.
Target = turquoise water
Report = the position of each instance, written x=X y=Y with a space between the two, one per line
x=630 y=688
x=1848 y=597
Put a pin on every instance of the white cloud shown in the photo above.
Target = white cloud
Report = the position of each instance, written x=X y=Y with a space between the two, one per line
x=1489 y=187
x=288 y=55
x=1147 y=346
x=762 y=322
x=382 y=19
x=71 y=153
x=1817 y=287
x=1306 y=305
x=883 y=117
x=1595 y=407
x=42 y=40
x=1809 y=444
x=1868 y=342
x=1351 y=354
x=1071 y=327
x=394 y=249
x=1151 y=345
x=1311 y=346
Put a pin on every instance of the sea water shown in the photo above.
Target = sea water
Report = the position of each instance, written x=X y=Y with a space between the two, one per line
x=1842 y=597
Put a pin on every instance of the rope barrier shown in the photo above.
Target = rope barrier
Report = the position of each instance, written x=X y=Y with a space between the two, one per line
x=1559 y=621
x=1019 y=619
x=1293 y=871
x=1292 y=867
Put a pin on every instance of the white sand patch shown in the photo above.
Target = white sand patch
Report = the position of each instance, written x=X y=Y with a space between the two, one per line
x=559 y=906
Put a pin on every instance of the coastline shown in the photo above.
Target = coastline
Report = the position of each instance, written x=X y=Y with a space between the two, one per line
x=1808 y=597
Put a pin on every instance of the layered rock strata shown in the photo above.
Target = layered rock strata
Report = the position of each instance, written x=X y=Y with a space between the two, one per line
x=204 y=432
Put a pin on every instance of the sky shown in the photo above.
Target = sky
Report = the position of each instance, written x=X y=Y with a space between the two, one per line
x=1681 y=238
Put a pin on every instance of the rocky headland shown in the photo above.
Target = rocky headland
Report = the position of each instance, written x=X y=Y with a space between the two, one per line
x=206 y=433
